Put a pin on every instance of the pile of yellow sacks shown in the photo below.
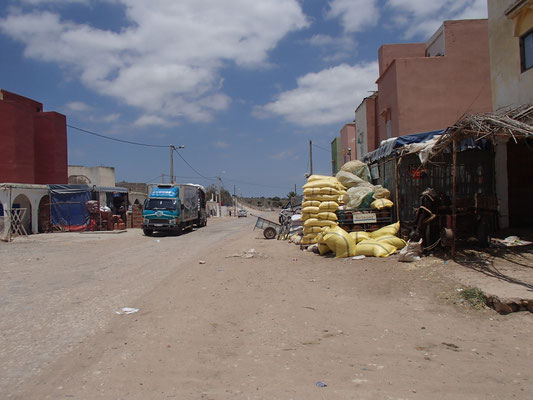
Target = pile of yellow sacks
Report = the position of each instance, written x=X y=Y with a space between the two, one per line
x=321 y=200
x=380 y=243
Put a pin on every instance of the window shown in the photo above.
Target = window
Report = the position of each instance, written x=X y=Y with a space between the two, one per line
x=526 y=51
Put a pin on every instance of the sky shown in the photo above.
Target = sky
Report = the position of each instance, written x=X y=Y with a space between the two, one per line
x=243 y=85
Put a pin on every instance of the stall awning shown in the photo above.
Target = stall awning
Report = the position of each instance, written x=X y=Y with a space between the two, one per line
x=389 y=146
x=109 y=189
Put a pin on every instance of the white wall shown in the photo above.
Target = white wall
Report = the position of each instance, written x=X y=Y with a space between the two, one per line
x=510 y=86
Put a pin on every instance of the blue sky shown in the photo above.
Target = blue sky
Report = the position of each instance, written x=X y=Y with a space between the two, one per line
x=243 y=85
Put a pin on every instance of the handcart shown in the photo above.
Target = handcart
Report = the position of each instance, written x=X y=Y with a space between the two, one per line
x=270 y=229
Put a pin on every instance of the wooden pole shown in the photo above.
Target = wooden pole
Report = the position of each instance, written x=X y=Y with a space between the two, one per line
x=311 y=157
x=396 y=178
x=454 y=198
x=171 y=164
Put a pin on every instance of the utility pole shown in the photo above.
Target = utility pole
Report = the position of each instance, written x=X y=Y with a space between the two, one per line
x=234 y=202
x=172 y=149
x=171 y=164
x=311 y=157
x=219 y=197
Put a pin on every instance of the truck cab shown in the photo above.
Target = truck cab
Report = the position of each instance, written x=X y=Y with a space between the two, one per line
x=162 y=210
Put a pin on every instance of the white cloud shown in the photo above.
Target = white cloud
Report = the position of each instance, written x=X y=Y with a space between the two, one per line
x=421 y=18
x=355 y=15
x=167 y=61
x=326 y=97
x=221 y=145
x=60 y=2
x=151 y=120
x=78 y=106
x=285 y=154
x=110 y=117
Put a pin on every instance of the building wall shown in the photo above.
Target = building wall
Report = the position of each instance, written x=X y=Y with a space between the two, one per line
x=34 y=143
x=389 y=52
x=100 y=176
x=348 y=144
x=510 y=86
x=419 y=94
x=50 y=148
x=335 y=155
x=365 y=128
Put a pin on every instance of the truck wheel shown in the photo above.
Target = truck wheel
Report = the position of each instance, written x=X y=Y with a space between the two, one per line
x=148 y=232
x=179 y=229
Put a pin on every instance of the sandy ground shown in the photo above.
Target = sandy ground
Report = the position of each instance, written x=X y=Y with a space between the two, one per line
x=263 y=325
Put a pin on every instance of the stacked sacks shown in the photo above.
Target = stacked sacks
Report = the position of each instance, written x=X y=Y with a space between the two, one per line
x=361 y=193
x=321 y=200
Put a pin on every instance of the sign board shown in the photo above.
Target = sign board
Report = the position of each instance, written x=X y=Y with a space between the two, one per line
x=364 y=218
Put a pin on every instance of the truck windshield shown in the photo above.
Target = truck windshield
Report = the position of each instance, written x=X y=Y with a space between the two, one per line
x=160 y=204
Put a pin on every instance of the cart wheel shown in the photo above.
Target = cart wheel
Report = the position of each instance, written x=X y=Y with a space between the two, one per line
x=270 y=233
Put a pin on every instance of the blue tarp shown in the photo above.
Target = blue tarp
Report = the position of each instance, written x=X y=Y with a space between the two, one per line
x=68 y=208
x=387 y=148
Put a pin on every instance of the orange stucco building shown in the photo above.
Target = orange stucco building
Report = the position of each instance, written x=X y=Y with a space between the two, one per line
x=428 y=86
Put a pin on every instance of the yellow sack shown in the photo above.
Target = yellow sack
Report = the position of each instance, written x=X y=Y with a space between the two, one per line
x=359 y=236
x=321 y=184
x=321 y=197
x=329 y=190
x=328 y=215
x=325 y=223
x=391 y=229
x=321 y=178
x=328 y=206
x=323 y=249
x=311 y=222
x=311 y=203
x=381 y=203
x=392 y=240
x=310 y=210
x=310 y=192
x=374 y=248
x=306 y=216
x=381 y=193
x=312 y=229
x=339 y=242
x=308 y=239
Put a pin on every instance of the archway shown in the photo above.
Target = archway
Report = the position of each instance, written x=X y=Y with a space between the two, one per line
x=21 y=201
x=44 y=214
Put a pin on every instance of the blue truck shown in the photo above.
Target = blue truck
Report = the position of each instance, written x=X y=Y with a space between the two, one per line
x=174 y=208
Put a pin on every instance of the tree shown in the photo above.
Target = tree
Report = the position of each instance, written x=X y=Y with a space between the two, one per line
x=290 y=195
x=212 y=193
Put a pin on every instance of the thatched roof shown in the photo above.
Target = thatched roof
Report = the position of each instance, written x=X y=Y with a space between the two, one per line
x=515 y=123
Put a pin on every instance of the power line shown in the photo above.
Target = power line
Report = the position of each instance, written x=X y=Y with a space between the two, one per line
x=321 y=148
x=185 y=161
x=115 y=139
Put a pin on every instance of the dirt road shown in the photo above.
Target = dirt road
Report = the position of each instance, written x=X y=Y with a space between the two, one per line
x=267 y=324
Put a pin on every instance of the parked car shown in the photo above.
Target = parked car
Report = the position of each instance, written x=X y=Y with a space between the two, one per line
x=242 y=213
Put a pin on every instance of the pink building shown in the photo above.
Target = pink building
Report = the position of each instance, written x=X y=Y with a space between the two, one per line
x=429 y=86
x=348 y=143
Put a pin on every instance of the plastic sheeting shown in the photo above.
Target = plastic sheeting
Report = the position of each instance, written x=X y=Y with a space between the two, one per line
x=67 y=206
x=388 y=147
